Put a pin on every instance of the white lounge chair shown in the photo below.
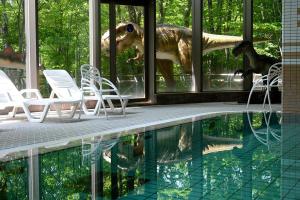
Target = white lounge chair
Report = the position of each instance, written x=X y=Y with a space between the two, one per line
x=10 y=96
x=90 y=77
x=64 y=87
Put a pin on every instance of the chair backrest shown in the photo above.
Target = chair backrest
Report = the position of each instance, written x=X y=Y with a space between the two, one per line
x=89 y=72
x=90 y=76
x=8 y=91
x=275 y=73
x=62 y=84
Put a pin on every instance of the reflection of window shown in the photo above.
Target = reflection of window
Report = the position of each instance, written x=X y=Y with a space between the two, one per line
x=12 y=41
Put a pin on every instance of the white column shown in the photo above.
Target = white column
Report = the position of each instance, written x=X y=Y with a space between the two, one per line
x=31 y=43
x=94 y=21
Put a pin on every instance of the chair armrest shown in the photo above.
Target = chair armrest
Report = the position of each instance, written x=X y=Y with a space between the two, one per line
x=6 y=95
x=32 y=91
x=108 y=82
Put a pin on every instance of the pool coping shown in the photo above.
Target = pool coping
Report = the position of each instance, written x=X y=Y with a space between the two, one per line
x=22 y=151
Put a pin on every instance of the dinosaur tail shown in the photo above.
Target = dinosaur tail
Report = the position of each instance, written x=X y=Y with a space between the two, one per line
x=212 y=42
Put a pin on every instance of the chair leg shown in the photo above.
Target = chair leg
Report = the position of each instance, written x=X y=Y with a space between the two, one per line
x=73 y=110
x=34 y=119
x=105 y=112
x=249 y=98
x=111 y=105
x=123 y=104
x=80 y=109
x=13 y=112
x=58 y=109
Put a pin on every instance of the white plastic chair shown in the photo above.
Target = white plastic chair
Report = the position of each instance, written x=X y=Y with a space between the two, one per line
x=91 y=78
x=266 y=82
x=65 y=89
x=11 y=97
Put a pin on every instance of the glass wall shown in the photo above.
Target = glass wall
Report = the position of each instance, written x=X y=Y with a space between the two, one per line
x=12 y=41
x=174 y=46
x=222 y=19
x=130 y=61
x=63 y=30
x=267 y=27
x=104 y=24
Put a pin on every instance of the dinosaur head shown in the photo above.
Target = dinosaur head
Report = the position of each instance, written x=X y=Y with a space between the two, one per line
x=241 y=47
x=127 y=35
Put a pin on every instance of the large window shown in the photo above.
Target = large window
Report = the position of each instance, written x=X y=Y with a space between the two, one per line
x=130 y=63
x=63 y=30
x=221 y=18
x=127 y=70
x=267 y=27
x=12 y=41
x=174 y=46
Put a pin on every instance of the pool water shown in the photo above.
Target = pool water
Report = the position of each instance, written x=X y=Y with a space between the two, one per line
x=223 y=157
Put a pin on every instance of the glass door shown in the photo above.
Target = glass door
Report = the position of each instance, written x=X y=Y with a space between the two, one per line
x=122 y=47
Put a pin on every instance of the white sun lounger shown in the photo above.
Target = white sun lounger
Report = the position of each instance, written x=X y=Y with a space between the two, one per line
x=10 y=96
x=64 y=87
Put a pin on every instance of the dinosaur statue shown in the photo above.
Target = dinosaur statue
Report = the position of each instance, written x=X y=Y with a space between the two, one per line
x=259 y=64
x=173 y=45
x=10 y=59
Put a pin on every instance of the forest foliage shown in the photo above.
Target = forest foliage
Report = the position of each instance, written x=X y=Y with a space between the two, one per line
x=64 y=36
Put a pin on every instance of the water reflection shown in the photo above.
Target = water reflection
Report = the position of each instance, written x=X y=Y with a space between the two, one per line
x=218 y=158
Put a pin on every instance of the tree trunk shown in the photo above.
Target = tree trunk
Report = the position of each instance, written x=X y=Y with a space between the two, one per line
x=161 y=10
x=229 y=14
x=21 y=25
x=187 y=13
x=4 y=27
x=210 y=16
x=132 y=14
x=220 y=14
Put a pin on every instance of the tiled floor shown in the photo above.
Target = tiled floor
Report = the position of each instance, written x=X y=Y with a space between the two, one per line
x=19 y=133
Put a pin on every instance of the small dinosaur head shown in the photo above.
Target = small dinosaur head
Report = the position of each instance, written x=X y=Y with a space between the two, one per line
x=241 y=47
x=127 y=34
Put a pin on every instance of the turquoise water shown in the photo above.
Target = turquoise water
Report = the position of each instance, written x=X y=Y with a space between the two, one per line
x=216 y=158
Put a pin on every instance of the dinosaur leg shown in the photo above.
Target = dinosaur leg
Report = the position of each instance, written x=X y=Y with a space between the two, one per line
x=247 y=73
x=239 y=71
x=185 y=58
x=166 y=69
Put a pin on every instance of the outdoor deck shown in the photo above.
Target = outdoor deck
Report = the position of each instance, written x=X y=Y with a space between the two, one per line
x=19 y=134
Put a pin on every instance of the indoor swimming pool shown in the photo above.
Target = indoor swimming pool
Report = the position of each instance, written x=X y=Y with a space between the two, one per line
x=223 y=157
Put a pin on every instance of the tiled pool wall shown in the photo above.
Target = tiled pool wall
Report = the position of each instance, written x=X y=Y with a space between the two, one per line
x=290 y=164
x=291 y=55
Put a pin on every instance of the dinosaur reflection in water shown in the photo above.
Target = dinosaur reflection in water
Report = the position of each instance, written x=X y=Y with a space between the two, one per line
x=173 y=46
x=172 y=145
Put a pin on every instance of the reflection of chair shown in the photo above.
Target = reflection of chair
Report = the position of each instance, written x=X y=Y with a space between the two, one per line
x=266 y=82
x=90 y=77
x=265 y=135
x=11 y=97
x=92 y=150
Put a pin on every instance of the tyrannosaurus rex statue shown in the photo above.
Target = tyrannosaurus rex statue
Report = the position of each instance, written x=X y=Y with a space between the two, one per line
x=173 y=45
